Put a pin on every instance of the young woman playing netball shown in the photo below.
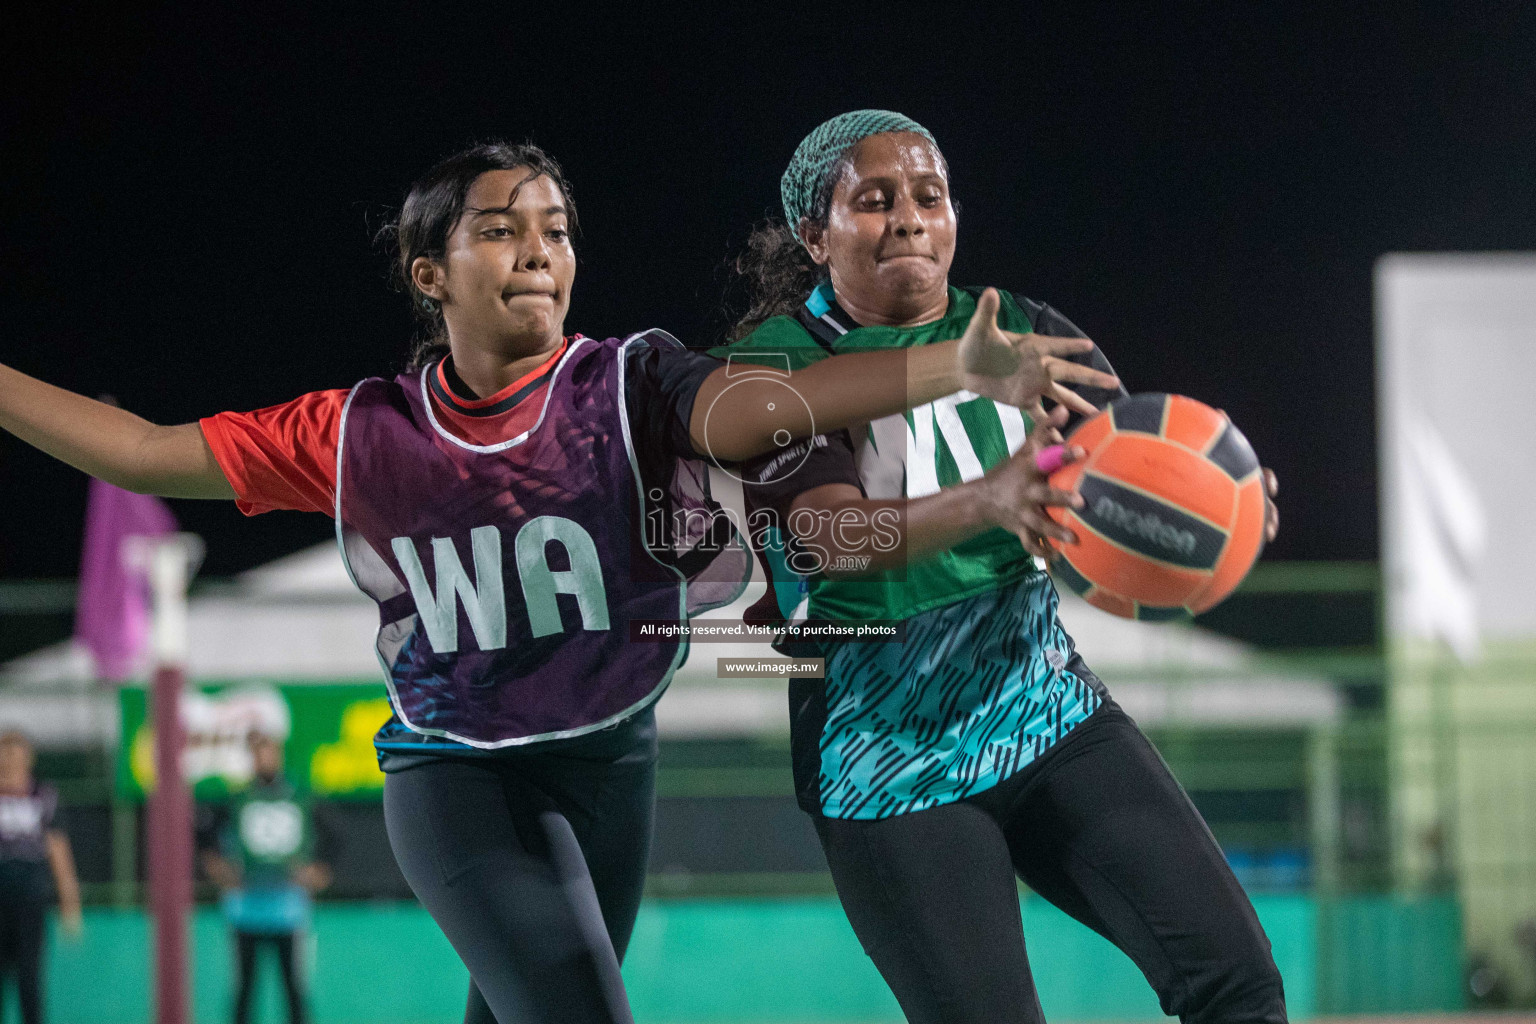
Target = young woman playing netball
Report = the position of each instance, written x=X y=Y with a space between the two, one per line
x=491 y=500
x=982 y=747
x=36 y=865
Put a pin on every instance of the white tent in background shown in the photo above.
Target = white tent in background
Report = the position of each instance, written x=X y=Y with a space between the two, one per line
x=296 y=618
x=300 y=619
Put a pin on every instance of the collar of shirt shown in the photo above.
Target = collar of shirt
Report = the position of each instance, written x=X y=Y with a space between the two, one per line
x=827 y=321
x=495 y=418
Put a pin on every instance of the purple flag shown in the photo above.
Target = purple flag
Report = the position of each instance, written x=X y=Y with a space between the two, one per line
x=112 y=613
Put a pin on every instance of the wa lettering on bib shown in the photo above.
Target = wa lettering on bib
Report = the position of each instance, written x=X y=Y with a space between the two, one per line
x=484 y=598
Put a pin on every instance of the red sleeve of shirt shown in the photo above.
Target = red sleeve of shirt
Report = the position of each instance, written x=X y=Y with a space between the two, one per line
x=281 y=457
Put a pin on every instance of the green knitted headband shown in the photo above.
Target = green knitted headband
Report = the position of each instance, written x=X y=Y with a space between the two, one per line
x=819 y=152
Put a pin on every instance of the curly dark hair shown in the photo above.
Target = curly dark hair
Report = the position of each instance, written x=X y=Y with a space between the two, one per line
x=433 y=207
x=773 y=267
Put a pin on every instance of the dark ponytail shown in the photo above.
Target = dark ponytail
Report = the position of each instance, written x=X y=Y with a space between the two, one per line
x=774 y=269
x=431 y=211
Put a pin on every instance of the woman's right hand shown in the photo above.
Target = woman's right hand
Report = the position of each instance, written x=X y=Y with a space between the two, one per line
x=71 y=919
x=1025 y=369
x=1017 y=492
x=110 y=443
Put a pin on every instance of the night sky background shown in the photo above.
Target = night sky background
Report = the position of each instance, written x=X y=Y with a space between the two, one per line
x=188 y=197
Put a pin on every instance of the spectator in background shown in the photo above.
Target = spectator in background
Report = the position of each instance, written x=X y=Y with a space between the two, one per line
x=265 y=866
x=30 y=849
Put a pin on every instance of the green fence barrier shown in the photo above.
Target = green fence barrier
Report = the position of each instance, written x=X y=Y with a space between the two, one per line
x=367 y=963
x=759 y=962
x=1423 y=970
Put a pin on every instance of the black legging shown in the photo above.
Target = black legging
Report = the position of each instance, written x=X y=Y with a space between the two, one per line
x=533 y=863
x=25 y=894
x=287 y=947
x=1099 y=827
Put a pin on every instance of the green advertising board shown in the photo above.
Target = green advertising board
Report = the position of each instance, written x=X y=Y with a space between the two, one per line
x=327 y=730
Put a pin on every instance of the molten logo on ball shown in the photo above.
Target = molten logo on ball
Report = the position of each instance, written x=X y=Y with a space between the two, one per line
x=1145 y=525
x=1173 y=508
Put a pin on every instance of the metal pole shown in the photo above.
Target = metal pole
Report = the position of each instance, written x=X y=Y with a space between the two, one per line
x=169 y=562
x=1323 y=799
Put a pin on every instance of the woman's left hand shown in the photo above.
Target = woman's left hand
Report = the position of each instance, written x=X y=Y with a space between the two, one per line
x=1024 y=369
x=1271 y=510
x=313 y=876
x=1016 y=494
x=1271 y=490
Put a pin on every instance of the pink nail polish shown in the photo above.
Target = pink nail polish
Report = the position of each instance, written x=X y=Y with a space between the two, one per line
x=1049 y=460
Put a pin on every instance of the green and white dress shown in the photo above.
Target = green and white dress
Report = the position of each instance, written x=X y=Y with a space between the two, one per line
x=986 y=680
x=268 y=835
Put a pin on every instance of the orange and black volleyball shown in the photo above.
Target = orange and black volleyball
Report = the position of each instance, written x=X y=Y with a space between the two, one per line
x=1173 y=508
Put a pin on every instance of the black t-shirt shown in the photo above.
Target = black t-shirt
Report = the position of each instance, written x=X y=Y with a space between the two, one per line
x=25 y=821
x=660 y=384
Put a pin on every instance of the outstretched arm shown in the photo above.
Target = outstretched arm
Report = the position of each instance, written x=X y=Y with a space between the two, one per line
x=110 y=443
x=1019 y=369
x=313 y=875
x=61 y=861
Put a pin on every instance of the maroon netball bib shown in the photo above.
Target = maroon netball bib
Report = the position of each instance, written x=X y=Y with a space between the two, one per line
x=506 y=575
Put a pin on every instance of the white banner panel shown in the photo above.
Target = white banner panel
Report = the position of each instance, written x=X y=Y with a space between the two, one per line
x=1456 y=367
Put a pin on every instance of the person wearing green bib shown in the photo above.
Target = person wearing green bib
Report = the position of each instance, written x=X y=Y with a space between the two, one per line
x=265 y=865
x=980 y=747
